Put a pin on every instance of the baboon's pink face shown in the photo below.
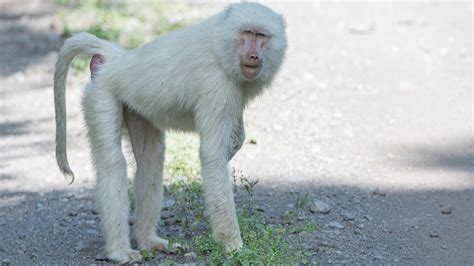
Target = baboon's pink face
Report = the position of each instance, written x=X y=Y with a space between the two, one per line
x=252 y=46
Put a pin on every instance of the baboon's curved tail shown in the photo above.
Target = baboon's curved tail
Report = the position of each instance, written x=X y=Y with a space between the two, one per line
x=84 y=44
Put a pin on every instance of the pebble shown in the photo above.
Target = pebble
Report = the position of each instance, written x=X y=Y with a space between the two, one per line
x=324 y=245
x=434 y=234
x=319 y=206
x=72 y=213
x=92 y=232
x=348 y=216
x=360 y=226
x=446 y=210
x=79 y=246
x=39 y=206
x=191 y=255
x=301 y=218
x=170 y=221
x=100 y=256
x=368 y=218
x=335 y=224
x=362 y=28
x=444 y=247
x=167 y=214
x=168 y=204
x=378 y=192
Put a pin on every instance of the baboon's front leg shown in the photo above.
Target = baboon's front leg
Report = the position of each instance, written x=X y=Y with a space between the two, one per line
x=215 y=144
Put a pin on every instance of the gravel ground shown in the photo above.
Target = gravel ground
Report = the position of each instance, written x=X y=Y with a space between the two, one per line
x=371 y=116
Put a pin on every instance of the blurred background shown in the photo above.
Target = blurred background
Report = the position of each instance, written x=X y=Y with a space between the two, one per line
x=366 y=134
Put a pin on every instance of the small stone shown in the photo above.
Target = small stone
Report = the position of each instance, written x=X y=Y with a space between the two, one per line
x=434 y=234
x=131 y=220
x=191 y=255
x=362 y=28
x=444 y=247
x=324 y=245
x=79 y=246
x=91 y=222
x=6 y=262
x=378 y=192
x=167 y=214
x=446 y=210
x=168 y=204
x=405 y=22
x=272 y=221
x=304 y=234
x=101 y=256
x=39 y=206
x=319 y=206
x=92 y=232
x=348 y=216
x=360 y=226
x=335 y=224
x=301 y=218
x=170 y=221
x=277 y=127
x=72 y=213
x=368 y=217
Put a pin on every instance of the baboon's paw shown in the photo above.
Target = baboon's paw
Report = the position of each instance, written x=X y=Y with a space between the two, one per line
x=235 y=244
x=125 y=255
x=161 y=245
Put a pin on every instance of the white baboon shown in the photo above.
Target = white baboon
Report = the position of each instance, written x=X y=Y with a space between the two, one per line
x=198 y=79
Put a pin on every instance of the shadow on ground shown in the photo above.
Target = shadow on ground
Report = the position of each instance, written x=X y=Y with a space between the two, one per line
x=456 y=154
x=21 y=45
x=67 y=221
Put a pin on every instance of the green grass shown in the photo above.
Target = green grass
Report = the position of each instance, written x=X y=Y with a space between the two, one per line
x=131 y=24
x=182 y=156
x=264 y=243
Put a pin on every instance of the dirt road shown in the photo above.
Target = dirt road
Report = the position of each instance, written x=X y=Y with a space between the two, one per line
x=371 y=114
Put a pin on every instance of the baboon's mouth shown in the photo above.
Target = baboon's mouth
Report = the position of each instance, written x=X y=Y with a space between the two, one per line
x=252 y=66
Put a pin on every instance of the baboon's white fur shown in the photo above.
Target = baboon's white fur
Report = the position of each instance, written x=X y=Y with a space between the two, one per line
x=187 y=80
